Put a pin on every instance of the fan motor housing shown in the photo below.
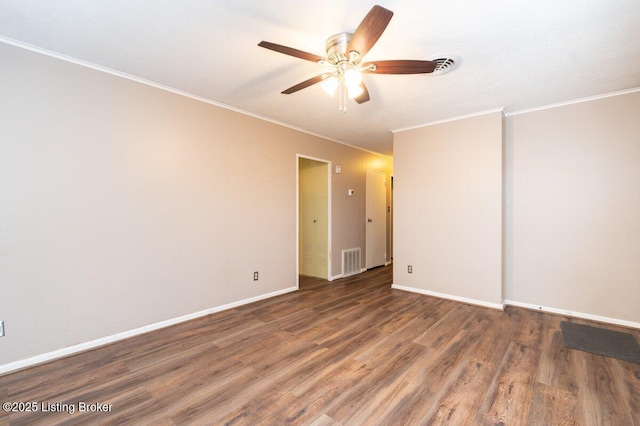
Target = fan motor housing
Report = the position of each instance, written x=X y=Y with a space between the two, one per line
x=336 y=47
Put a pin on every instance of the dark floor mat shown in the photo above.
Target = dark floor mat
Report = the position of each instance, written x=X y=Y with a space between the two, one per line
x=601 y=341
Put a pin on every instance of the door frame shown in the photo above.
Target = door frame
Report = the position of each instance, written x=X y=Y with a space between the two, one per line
x=329 y=225
x=387 y=211
x=390 y=241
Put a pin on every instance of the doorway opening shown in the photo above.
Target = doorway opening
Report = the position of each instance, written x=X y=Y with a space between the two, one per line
x=313 y=217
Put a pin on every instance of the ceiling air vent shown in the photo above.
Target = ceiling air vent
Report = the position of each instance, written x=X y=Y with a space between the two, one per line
x=445 y=64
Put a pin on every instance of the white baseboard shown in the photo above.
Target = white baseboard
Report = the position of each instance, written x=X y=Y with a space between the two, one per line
x=335 y=277
x=450 y=297
x=49 y=356
x=572 y=314
x=530 y=306
x=70 y=350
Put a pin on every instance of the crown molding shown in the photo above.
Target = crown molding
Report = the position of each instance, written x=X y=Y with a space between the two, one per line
x=448 y=120
x=574 y=101
x=146 y=82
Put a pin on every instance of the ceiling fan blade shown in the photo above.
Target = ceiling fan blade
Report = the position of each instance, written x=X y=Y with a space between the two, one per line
x=291 y=51
x=369 y=30
x=401 y=66
x=364 y=96
x=305 y=84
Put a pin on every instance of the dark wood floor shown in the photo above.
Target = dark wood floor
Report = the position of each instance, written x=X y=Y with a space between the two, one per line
x=352 y=352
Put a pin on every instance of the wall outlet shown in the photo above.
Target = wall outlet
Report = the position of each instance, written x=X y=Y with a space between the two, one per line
x=1 y=328
x=409 y=269
x=255 y=276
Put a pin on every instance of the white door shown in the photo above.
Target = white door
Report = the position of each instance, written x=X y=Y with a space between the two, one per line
x=376 y=207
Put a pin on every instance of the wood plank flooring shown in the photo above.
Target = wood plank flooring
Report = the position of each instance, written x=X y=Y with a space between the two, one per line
x=351 y=352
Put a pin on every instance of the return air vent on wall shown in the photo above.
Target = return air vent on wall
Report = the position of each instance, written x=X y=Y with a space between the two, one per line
x=350 y=262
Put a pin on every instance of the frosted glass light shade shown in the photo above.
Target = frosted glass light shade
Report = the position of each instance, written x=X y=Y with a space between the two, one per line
x=330 y=85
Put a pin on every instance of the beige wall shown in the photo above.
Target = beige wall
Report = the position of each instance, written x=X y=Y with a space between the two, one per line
x=573 y=208
x=123 y=205
x=448 y=209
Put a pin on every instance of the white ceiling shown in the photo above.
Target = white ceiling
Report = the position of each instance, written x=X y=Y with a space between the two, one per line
x=514 y=54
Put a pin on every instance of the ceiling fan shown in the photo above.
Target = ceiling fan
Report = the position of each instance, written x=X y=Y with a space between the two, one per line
x=345 y=52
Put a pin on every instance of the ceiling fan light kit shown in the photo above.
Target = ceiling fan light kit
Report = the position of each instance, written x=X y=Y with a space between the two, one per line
x=344 y=52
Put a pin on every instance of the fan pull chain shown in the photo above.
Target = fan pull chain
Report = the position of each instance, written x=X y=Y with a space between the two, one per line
x=343 y=94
